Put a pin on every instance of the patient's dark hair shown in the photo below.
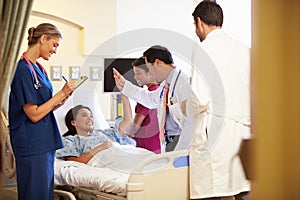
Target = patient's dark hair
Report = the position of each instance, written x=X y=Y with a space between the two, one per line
x=140 y=63
x=70 y=116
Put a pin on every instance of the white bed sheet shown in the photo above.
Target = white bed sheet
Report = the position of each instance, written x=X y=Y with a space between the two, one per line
x=78 y=174
x=108 y=171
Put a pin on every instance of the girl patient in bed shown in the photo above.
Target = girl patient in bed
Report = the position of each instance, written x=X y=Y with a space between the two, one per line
x=97 y=148
x=81 y=142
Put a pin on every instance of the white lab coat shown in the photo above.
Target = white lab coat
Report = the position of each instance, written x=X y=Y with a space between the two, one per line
x=215 y=168
x=153 y=99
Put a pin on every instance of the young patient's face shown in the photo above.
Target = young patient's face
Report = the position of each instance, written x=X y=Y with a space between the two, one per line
x=84 y=120
x=141 y=76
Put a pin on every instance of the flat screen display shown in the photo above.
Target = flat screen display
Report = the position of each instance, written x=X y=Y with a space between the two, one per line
x=123 y=65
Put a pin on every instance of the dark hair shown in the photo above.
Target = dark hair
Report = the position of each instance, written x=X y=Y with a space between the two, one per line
x=70 y=116
x=140 y=63
x=47 y=29
x=158 y=52
x=209 y=12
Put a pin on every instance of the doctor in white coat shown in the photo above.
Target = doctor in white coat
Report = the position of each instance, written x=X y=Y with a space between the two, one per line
x=215 y=169
x=160 y=64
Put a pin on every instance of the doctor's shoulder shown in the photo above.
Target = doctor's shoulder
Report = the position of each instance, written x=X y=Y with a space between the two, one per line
x=183 y=82
x=185 y=77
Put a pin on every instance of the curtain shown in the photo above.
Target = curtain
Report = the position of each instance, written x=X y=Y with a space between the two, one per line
x=14 y=17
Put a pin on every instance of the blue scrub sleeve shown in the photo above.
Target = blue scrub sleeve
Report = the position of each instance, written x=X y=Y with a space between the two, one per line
x=24 y=86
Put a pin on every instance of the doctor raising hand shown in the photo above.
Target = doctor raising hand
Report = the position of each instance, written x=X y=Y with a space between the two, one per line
x=119 y=79
x=33 y=129
x=174 y=88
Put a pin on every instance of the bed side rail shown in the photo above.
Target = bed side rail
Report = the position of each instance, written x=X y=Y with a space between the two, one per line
x=169 y=159
x=7 y=157
x=169 y=180
x=65 y=195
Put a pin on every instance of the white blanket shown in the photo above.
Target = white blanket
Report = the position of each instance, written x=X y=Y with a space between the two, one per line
x=108 y=170
x=121 y=158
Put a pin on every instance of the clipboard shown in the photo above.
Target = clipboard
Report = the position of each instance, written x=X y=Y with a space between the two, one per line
x=80 y=81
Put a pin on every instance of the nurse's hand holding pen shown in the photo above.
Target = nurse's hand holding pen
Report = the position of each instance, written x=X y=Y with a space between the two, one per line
x=67 y=90
x=68 y=87
x=119 y=79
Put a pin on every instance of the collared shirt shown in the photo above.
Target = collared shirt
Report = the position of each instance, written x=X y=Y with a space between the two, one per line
x=170 y=76
x=153 y=99
x=171 y=127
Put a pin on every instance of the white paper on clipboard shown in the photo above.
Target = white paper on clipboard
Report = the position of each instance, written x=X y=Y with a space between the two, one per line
x=80 y=81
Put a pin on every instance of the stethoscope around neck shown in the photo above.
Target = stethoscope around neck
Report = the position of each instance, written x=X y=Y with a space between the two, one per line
x=173 y=89
x=37 y=83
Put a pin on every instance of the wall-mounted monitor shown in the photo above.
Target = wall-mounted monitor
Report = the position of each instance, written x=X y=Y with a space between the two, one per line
x=123 y=65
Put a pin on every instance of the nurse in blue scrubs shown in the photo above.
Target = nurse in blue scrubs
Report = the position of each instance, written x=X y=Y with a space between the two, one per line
x=33 y=129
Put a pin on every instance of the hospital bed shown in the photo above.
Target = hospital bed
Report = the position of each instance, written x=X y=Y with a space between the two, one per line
x=73 y=180
x=168 y=179
x=79 y=181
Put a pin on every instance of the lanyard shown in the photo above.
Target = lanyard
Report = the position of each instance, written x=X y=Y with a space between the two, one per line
x=37 y=84
x=173 y=89
x=172 y=95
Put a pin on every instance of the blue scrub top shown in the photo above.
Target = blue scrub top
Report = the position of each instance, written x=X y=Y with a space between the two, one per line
x=28 y=138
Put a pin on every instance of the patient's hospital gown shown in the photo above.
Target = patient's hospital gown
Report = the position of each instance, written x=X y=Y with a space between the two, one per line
x=115 y=157
x=78 y=145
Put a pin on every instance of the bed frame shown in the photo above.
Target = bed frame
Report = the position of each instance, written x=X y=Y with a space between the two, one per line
x=171 y=182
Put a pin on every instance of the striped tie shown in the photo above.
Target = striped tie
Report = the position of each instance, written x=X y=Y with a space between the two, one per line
x=163 y=119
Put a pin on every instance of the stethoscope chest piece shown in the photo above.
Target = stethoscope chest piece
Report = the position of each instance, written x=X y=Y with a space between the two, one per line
x=37 y=85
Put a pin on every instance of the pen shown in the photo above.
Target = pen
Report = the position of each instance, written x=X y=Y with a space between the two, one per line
x=65 y=78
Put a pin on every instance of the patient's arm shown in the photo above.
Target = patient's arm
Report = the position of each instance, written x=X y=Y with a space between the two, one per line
x=84 y=158
x=135 y=125
x=129 y=126
x=127 y=116
x=127 y=112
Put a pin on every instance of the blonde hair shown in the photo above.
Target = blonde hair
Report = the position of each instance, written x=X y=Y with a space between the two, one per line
x=43 y=29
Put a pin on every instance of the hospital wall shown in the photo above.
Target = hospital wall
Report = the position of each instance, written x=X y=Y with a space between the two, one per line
x=86 y=27
x=85 y=24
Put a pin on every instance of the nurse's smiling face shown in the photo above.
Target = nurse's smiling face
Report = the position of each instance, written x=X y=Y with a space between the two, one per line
x=49 y=46
x=83 y=122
